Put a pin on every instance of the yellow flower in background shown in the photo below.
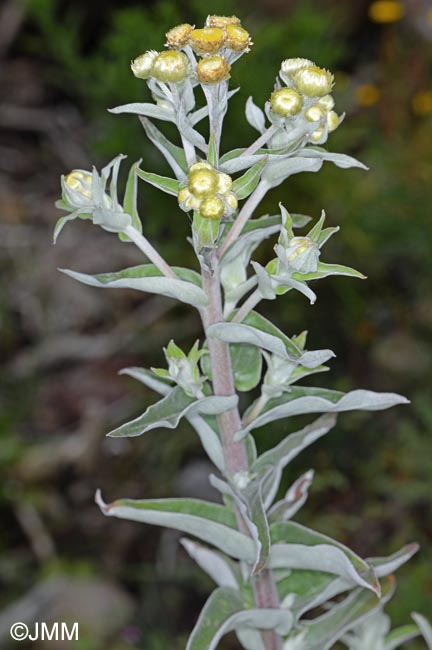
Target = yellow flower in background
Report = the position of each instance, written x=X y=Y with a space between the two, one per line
x=386 y=11
x=422 y=103
x=368 y=95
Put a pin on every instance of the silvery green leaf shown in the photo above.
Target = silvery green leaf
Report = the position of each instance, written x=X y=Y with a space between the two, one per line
x=314 y=400
x=400 y=636
x=424 y=627
x=168 y=412
x=148 y=278
x=324 y=270
x=255 y=116
x=173 y=154
x=225 y=611
x=257 y=330
x=130 y=201
x=265 y=284
x=325 y=235
x=284 y=283
x=277 y=171
x=245 y=184
x=325 y=630
x=146 y=109
x=247 y=366
x=294 y=499
x=209 y=522
x=338 y=159
x=62 y=222
x=245 y=491
x=279 y=457
x=384 y=566
x=255 y=232
x=168 y=185
x=214 y=564
x=198 y=115
x=207 y=430
x=187 y=130
x=206 y=427
x=212 y=156
x=297 y=547
x=250 y=639
x=110 y=220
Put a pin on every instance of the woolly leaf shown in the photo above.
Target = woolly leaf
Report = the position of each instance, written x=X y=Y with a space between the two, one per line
x=245 y=185
x=255 y=116
x=148 y=278
x=168 y=185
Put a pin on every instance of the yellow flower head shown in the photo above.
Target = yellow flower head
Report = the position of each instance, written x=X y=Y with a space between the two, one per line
x=171 y=66
x=237 y=38
x=333 y=121
x=314 y=81
x=178 y=36
x=222 y=21
x=208 y=40
x=326 y=102
x=286 y=102
x=213 y=69
x=202 y=182
x=208 y=192
x=142 y=66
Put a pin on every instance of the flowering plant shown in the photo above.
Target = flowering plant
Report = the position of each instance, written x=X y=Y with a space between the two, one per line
x=272 y=574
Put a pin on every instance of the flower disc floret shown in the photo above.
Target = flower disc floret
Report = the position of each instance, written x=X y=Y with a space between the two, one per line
x=142 y=66
x=213 y=69
x=314 y=81
x=286 y=102
x=171 y=66
x=178 y=36
x=207 y=40
x=237 y=38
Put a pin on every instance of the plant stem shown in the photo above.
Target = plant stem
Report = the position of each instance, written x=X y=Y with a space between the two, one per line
x=189 y=150
x=243 y=216
x=259 y=142
x=235 y=453
x=247 y=306
x=144 y=245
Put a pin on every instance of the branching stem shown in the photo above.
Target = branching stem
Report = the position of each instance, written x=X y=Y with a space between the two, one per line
x=144 y=245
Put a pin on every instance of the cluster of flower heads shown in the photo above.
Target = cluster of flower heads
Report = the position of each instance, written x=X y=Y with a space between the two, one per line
x=208 y=192
x=307 y=95
x=219 y=43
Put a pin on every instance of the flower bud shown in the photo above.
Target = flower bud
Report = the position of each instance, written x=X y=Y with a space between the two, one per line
x=208 y=40
x=332 y=121
x=188 y=201
x=237 y=38
x=171 y=66
x=222 y=21
x=231 y=200
x=142 y=66
x=302 y=254
x=286 y=102
x=213 y=69
x=326 y=102
x=178 y=36
x=317 y=135
x=203 y=182
x=314 y=81
x=212 y=208
x=224 y=183
x=80 y=182
x=314 y=113
x=291 y=66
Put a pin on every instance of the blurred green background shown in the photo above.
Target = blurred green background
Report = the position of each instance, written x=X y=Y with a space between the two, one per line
x=62 y=63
